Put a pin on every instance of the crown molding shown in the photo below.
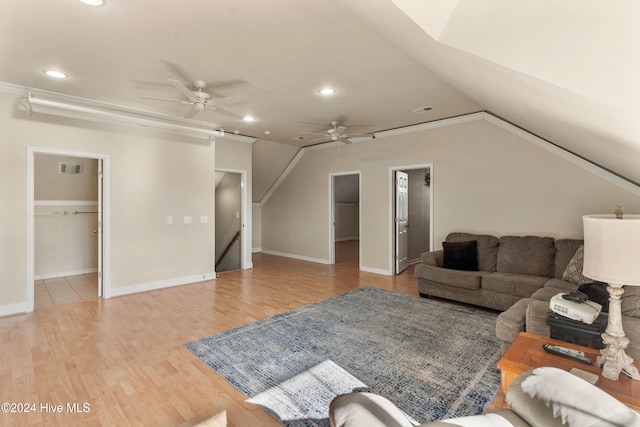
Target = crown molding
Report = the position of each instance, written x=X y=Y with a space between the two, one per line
x=468 y=118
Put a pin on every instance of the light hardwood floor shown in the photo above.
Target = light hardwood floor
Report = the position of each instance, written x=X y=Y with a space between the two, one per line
x=125 y=359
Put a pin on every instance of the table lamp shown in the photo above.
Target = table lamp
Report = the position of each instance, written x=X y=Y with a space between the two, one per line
x=612 y=255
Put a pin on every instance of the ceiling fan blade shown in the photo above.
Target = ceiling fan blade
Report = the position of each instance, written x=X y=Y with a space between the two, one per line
x=192 y=113
x=225 y=112
x=340 y=130
x=324 y=135
x=229 y=100
x=177 y=72
x=325 y=139
x=344 y=140
x=168 y=100
x=181 y=88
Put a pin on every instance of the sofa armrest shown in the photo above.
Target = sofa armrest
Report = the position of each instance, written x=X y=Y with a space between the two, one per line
x=435 y=258
x=536 y=321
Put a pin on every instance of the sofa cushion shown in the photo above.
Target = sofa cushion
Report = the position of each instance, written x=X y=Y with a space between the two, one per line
x=455 y=278
x=526 y=255
x=573 y=272
x=547 y=292
x=565 y=250
x=432 y=258
x=487 y=248
x=522 y=285
x=631 y=301
x=461 y=255
x=561 y=285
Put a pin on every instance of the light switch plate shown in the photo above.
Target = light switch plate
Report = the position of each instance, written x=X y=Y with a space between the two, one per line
x=169 y=220
x=187 y=220
x=204 y=219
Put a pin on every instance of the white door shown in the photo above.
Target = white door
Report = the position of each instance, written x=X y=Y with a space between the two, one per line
x=99 y=229
x=401 y=220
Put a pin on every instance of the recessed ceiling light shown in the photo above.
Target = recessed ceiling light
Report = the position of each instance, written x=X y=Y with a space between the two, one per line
x=249 y=119
x=55 y=74
x=327 y=91
x=93 y=2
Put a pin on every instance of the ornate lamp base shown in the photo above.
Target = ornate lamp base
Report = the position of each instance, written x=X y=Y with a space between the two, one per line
x=614 y=358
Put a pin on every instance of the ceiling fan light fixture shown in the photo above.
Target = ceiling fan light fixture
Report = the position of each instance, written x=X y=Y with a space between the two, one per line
x=55 y=74
x=249 y=119
x=327 y=91
x=93 y=2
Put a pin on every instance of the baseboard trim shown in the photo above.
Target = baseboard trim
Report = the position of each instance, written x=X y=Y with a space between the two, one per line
x=161 y=284
x=300 y=257
x=65 y=274
x=13 y=309
x=376 y=271
x=347 y=239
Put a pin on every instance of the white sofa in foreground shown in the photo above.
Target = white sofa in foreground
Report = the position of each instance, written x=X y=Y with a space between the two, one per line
x=542 y=397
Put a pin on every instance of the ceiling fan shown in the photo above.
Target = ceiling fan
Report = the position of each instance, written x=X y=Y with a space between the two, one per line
x=337 y=133
x=199 y=100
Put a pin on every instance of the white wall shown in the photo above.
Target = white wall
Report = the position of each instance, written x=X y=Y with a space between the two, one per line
x=256 y=235
x=65 y=244
x=484 y=179
x=153 y=175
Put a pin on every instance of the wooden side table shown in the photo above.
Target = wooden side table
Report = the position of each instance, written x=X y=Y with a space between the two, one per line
x=526 y=353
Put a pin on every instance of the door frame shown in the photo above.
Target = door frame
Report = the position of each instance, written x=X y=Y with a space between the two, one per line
x=391 y=221
x=245 y=220
x=332 y=215
x=106 y=217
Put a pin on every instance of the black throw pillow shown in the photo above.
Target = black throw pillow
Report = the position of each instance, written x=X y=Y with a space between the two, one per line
x=461 y=255
x=597 y=292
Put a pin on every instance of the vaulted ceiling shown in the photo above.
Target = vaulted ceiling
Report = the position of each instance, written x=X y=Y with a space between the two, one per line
x=565 y=70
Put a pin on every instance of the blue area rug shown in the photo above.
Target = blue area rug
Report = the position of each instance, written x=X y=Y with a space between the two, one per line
x=432 y=359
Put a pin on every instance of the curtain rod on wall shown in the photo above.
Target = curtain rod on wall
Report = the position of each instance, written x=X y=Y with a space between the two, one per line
x=64 y=213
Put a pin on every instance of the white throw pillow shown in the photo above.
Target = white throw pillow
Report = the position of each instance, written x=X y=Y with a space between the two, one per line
x=577 y=402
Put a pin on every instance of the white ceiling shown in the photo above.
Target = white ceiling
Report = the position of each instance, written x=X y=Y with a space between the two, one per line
x=566 y=70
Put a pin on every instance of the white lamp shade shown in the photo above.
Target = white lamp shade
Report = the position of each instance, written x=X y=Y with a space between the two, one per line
x=612 y=249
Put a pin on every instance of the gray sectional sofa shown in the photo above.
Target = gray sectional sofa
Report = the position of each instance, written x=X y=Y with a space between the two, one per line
x=517 y=275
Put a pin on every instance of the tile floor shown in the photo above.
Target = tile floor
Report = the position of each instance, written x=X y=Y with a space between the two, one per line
x=65 y=289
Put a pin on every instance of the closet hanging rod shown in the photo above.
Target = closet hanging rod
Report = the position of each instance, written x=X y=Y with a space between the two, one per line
x=65 y=213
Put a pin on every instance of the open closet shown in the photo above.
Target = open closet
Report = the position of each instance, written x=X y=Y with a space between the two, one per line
x=66 y=229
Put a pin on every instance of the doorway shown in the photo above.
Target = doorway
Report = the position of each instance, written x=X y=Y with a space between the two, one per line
x=412 y=215
x=228 y=221
x=67 y=223
x=344 y=241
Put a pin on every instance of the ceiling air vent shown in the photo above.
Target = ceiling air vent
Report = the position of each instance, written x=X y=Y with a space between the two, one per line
x=423 y=109
x=70 y=168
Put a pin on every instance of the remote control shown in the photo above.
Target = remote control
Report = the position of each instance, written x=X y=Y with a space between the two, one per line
x=567 y=352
